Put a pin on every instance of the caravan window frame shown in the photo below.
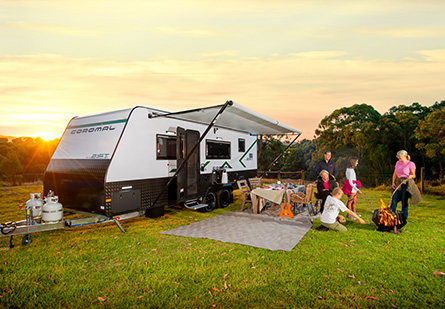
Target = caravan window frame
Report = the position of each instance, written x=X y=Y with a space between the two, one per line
x=212 y=152
x=167 y=154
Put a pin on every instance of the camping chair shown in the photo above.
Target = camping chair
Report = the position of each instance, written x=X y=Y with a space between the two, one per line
x=317 y=199
x=255 y=183
x=305 y=199
x=258 y=183
x=245 y=192
x=317 y=206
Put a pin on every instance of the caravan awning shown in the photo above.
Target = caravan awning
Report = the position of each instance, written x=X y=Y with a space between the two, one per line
x=236 y=117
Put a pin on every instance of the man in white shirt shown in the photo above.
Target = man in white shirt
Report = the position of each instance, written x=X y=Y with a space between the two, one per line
x=332 y=207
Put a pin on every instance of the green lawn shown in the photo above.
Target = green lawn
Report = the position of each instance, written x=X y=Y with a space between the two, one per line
x=98 y=266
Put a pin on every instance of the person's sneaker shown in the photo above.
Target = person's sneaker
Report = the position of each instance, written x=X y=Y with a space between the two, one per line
x=322 y=228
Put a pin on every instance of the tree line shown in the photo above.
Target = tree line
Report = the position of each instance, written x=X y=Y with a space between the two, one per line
x=361 y=131
x=358 y=130
x=24 y=156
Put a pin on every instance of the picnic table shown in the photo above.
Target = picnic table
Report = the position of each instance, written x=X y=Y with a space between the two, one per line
x=273 y=193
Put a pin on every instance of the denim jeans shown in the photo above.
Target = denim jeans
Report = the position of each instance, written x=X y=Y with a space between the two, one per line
x=400 y=195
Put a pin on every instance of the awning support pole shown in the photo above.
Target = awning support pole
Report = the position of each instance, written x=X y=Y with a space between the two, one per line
x=212 y=123
x=279 y=156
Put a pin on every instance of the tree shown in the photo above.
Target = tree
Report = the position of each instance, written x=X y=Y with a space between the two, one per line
x=431 y=136
x=437 y=105
x=415 y=108
x=347 y=127
x=271 y=148
x=361 y=131
x=399 y=123
x=298 y=156
x=348 y=131
x=11 y=167
x=398 y=127
x=305 y=150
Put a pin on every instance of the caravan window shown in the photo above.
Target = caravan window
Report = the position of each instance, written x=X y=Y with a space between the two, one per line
x=165 y=147
x=217 y=150
x=241 y=145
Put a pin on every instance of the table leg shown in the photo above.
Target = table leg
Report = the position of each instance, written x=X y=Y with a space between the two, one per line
x=255 y=201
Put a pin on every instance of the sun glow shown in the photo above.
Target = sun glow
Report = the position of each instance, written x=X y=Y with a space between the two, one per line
x=47 y=136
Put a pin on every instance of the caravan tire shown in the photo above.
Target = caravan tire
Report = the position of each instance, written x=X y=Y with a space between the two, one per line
x=211 y=201
x=224 y=197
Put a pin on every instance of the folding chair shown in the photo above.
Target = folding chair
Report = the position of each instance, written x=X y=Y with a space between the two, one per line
x=258 y=183
x=255 y=183
x=305 y=199
x=245 y=192
x=317 y=199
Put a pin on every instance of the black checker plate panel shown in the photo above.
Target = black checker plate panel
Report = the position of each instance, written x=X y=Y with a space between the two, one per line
x=150 y=189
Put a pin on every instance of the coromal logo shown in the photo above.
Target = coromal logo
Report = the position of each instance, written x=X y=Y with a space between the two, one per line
x=91 y=130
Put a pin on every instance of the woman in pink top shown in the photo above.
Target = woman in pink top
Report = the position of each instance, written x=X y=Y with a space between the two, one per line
x=404 y=170
x=325 y=184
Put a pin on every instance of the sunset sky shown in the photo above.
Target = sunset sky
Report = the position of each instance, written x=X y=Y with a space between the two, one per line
x=294 y=61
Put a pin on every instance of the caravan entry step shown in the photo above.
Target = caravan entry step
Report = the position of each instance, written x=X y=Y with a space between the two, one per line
x=195 y=205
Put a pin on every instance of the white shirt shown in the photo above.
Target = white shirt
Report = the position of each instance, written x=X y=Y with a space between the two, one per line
x=332 y=207
x=351 y=176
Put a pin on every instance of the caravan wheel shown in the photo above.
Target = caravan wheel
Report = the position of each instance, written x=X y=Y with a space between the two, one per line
x=224 y=197
x=211 y=201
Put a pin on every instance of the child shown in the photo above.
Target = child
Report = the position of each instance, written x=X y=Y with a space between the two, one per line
x=351 y=185
x=332 y=207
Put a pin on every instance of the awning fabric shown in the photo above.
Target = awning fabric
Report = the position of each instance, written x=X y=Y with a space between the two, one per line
x=236 y=117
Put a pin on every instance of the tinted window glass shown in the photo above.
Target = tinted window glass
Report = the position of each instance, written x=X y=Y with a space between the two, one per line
x=217 y=150
x=241 y=145
x=166 y=147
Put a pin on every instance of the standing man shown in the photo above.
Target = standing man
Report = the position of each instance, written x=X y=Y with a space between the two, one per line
x=326 y=164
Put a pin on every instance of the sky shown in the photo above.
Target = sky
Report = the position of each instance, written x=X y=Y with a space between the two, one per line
x=293 y=61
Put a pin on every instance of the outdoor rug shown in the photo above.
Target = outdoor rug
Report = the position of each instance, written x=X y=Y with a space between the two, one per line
x=256 y=230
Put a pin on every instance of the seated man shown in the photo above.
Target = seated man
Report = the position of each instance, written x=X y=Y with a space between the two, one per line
x=325 y=184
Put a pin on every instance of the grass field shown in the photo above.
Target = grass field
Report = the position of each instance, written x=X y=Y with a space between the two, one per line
x=98 y=266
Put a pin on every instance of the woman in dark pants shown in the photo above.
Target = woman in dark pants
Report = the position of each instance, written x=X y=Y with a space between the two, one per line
x=402 y=180
x=325 y=184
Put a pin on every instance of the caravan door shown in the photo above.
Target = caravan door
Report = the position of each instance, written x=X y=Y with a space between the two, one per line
x=188 y=176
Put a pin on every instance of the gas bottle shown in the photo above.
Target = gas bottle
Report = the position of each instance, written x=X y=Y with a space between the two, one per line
x=224 y=178
x=52 y=211
x=35 y=205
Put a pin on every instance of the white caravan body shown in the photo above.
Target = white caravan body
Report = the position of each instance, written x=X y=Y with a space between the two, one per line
x=121 y=161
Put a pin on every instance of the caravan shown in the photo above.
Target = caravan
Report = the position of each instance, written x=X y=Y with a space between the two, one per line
x=142 y=159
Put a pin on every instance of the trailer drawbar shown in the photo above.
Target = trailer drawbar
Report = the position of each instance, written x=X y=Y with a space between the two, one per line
x=46 y=215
